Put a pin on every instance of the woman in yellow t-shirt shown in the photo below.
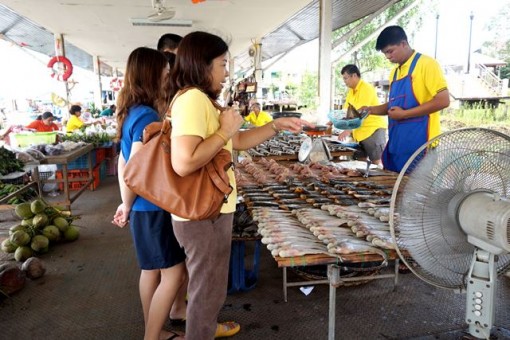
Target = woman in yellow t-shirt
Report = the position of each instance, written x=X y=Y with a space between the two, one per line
x=257 y=117
x=74 y=121
x=200 y=130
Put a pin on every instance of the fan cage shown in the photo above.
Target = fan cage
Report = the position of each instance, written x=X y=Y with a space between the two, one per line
x=428 y=240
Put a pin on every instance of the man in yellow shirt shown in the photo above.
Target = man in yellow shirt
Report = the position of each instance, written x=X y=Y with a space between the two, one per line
x=371 y=135
x=418 y=91
x=257 y=117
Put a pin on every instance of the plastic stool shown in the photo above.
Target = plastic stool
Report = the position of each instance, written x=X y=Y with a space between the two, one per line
x=240 y=279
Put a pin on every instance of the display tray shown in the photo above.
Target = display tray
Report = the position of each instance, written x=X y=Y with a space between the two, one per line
x=17 y=177
x=316 y=259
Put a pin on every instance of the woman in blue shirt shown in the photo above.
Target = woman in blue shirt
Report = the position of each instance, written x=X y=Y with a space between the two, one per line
x=144 y=100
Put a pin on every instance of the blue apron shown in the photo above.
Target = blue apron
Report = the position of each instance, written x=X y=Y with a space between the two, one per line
x=407 y=135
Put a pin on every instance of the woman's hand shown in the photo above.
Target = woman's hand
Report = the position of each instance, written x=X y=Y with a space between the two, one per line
x=230 y=122
x=121 y=217
x=291 y=124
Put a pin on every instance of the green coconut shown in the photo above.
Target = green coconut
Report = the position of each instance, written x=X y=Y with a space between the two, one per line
x=39 y=242
x=44 y=250
x=60 y=223
x=8 y=247
x=19 y=238
x=16 y=228
x=23 y=210
x=40 y=221
x=37 y=206
x=72 y=233
x=27 y=222
x=51 y=232
x=23 y=253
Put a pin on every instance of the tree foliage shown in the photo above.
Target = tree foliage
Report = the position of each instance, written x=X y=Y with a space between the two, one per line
x=366 y=57
x=499 y=46
x=307 y=92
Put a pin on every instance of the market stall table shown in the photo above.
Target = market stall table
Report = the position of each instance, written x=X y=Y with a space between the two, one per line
x=63 y=160
x=334 y=279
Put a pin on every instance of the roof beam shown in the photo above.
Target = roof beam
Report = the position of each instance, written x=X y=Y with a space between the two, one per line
x=404 y=10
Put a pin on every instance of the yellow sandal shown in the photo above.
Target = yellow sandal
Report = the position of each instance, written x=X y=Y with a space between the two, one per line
x=226 y=329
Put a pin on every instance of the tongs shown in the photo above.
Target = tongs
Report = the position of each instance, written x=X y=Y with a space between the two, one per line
x=353 y=113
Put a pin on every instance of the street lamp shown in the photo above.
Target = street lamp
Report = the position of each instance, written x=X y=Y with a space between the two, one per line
x=471 y=16
x=437 y=25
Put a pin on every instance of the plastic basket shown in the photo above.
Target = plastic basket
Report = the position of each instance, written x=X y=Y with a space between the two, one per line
x=19 y=177
x=45 y=174
x=81 y=162
x=34 y=138
x=339 y=122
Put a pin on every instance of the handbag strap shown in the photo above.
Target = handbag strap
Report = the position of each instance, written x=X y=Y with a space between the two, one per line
x=225 y=188
x=186 y=89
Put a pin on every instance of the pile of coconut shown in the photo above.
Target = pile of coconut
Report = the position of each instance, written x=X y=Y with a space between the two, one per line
x=40 y=226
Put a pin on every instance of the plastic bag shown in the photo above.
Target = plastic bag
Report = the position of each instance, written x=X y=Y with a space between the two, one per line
x=48 y=171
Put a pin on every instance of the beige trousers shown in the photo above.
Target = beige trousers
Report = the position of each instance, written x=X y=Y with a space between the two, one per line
x=207 y=246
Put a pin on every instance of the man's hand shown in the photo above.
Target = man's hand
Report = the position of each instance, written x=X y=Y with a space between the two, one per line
x=397 y=113
x=344 y=134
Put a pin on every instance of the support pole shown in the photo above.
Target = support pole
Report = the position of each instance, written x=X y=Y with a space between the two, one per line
x=98 y=100
x=61 y=51
x=325 y=10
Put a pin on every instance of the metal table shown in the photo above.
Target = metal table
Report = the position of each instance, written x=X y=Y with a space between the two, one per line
x=334 y=279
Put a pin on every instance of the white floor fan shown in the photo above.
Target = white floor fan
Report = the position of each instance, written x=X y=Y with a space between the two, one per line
x=450 y=217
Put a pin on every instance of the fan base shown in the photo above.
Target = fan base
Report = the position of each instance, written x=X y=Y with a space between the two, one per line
x=497 y=333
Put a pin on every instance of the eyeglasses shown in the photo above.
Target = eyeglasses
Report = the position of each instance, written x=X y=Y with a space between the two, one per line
x=346 y=77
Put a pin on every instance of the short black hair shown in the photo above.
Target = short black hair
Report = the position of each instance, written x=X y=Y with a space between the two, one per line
x=170 y=57
x=351 y=69
x=169 y=40
x=47 y=115
x=391 y=35
x=74 y=109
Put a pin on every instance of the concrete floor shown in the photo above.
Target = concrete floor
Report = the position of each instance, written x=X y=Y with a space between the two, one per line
x=90 y=291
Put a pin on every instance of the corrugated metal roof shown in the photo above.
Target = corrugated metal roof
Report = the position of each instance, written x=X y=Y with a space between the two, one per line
x=299 y=29
x=304 y=26
x=25 y=33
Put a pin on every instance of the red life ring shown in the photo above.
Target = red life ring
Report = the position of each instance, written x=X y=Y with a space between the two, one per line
x=68 y=68
x=116 y=84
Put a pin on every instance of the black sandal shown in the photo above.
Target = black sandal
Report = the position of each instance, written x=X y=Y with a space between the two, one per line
x=178 y=322
x=173 y=335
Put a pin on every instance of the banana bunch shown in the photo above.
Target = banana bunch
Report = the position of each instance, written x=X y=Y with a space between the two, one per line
x=7 y=189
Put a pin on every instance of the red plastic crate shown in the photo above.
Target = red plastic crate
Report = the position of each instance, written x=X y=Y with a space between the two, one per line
x=100 y=155
x=80 y=173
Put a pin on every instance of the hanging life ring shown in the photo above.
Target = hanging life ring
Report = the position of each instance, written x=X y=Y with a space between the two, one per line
x=68 y=68
x=116 y=84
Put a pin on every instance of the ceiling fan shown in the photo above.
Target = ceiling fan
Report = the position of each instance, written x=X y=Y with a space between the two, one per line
x=160 y=16
x=160 y=11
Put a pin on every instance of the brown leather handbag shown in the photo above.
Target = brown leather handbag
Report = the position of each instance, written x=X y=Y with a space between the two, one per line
x=197 y=196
